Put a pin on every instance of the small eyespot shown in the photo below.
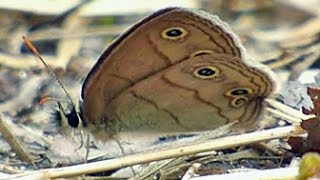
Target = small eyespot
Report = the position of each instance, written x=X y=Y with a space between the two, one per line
x=239 y=92
x=174 y=33
x=206 y=72
x=201 y=52
x=238 y=102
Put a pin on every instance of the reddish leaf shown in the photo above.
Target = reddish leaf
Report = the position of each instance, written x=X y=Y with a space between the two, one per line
x=316 y=108
x=298 y=145
x=314 y=94
x=312 y=126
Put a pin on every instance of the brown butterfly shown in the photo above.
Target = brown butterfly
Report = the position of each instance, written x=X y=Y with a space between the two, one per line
x=177 y=70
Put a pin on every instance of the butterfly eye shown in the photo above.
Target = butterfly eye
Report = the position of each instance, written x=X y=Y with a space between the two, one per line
x=206 y=72
x=238 y=102
x=174 y=33
x=239 y=92
x=201 y=52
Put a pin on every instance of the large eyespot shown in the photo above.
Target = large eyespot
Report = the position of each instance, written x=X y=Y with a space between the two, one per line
x=239 y=92
x=174 y=33
x=239 y=101
x=201 y=52
x=206 y=72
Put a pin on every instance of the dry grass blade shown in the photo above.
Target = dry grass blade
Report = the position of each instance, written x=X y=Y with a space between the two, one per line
x=286 y=112
x=24 y=62
x=14 y=143
x=300 y=67
x=307 y=29
x=286 y=58
x=67 y=48
x=216 y=144
x=45 y=34
x=191 y=171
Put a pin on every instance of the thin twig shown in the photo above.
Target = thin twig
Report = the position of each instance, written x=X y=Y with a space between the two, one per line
x=14 y=143
x=296 y=115
x=121 y=162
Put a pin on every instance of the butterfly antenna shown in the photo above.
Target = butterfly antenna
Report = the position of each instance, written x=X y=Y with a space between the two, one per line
x=34 y=50
x=73 y=117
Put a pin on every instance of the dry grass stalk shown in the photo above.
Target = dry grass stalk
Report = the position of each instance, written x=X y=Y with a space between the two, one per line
x=121 y=162
x=14 y=143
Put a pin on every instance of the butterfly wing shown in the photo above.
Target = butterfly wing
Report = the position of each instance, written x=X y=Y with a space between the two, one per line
x=163 y=39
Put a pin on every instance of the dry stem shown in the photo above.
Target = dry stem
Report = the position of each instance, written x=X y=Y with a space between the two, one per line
x=121 y=162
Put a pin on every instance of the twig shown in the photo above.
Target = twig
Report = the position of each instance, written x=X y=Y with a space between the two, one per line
x=9 y=169
x=58 y=33
x=16 y=146
x=296 y=115
x=67 y=48
x=309 y=28
x=191 y=171
x=298 y=68
x=217 y=144
x=283 y=115
x=25 y=62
